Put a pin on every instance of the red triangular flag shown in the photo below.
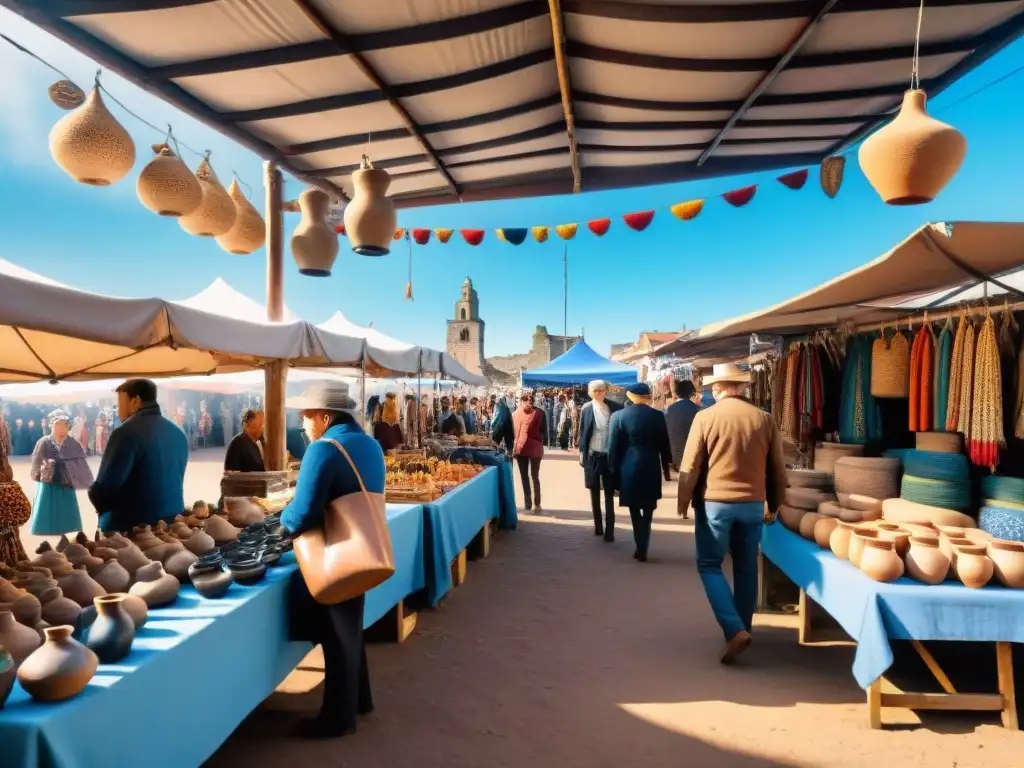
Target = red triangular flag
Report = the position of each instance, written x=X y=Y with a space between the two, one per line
x=794 y=180
x=339 y=229
x=638 y=220
x=421 y=236
x=599 y=226
x=472 y=236
x=740 y=197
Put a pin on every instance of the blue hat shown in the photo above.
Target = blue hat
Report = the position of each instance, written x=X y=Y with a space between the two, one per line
x=640 y=389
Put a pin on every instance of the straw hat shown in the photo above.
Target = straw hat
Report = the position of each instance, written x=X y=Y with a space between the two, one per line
x=726 y=372
x=324 y=396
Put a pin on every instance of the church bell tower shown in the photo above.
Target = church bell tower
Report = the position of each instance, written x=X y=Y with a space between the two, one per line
x=466 y=331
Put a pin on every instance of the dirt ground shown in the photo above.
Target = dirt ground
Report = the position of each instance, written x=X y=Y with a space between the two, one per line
x=561 y=650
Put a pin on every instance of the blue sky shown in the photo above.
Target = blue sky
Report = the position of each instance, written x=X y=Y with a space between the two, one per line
x=726 y=262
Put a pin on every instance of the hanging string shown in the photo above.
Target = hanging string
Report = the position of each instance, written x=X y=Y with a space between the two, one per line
x=27 y=52
x=915 y=82
x=408 y=285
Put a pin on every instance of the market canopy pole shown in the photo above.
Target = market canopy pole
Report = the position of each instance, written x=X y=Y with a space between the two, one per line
x=275 y=371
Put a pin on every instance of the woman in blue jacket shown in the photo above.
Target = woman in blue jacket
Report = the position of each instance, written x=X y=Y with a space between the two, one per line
x=325 y=475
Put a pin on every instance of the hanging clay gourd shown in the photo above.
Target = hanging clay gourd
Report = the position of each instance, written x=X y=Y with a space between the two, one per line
x=59 y=669
x=249 y=230
x=370 y=219
x=90 y=145
x=314 y=244
x=831 y=174
x=911 y=159
x=166 y=186
x=216 y=213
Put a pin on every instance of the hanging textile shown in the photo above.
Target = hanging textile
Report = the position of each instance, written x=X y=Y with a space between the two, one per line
x=778 y=390
x=956 y=373
x=788 y=426
x=940 y=386
x=986 y=429
x=859 y=417
x=1018 y=421
x=963 y=415
x=921 y=380
x=1008 y=330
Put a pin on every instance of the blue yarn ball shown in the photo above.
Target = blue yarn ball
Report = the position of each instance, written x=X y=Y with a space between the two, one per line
x=1002 y=523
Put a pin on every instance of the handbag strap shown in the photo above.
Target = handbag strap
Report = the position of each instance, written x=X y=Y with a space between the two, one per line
x=359 y=478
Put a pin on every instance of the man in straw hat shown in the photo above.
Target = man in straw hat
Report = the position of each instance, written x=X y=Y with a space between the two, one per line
x=731 y=467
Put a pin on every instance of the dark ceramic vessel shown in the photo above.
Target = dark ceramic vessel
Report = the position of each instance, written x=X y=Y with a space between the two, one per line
x=112 y=634
x=249 y=571
x=211 y=579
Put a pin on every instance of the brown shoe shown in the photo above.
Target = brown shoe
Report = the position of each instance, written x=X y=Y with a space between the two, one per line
x=736 y=645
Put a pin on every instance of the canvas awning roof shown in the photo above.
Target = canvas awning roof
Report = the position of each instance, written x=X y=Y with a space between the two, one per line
x=491 y=99
x=927 y=270
x=578 y=367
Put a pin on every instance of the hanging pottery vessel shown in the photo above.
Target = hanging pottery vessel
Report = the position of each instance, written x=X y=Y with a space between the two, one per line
x=925 y=561
x=314 y=244
x=370 y=219
x=911 y=159
x=216 y=213
x=18 y=639
x=831 y=174
x=166 y=186
x=60 y=669
x=66 y=95
x=91 y=146
x=111 y=635
x=249 y=230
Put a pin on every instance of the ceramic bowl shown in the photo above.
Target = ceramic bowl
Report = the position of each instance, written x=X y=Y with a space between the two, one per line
x=247 y=572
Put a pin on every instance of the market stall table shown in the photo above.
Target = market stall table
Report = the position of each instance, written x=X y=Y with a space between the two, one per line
x=873 y=613
x=196 y=670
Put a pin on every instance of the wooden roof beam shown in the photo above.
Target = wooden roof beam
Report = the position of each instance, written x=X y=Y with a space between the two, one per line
x=564 y=85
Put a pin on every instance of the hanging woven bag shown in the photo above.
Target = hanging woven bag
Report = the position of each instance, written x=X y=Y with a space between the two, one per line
x=890 y=367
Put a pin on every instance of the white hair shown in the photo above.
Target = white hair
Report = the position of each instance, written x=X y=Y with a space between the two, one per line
x=595 y=385
x=727 y=389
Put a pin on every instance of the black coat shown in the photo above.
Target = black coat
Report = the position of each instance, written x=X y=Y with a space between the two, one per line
x=587 y=428
x=679 y=419
x=639 y=455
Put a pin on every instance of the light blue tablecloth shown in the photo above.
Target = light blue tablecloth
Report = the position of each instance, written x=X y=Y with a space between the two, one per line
x=872 y=613
x=509 y=516
x=195 y=672
x=452 y=522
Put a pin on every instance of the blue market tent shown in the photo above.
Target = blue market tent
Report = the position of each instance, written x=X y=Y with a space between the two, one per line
x=579 y=366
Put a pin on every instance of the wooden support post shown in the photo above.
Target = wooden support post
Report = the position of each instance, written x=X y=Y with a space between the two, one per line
x=459 y=569
x=275 y=371
x=875 y=704
x=805 y=607
x=1004 y=666
x=405 y=622
x=933 y=666
x=480 y=547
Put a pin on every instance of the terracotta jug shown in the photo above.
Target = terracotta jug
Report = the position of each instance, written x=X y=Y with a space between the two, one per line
x=823 y=531
x=166 y=186
x=58 y=609
x=791 y=516
x=131 y=558
x=249 y=230
x=112 y=576
x=1008 y=562
x=90 y=145
x=879 y=560
x=973 y=566
x=897 y=536
x=950 y=545
x=8 y=669
x=215 y=214
x=925 y=561
x=147 y=540
x=18 y=639
x=857 y=539
x=370 y=219
x=26 y=608
x=314 y=243
x=807 y=523
x=80 y=587
x=53 y=560
x=154 y=586
x=178 y=563
x=199 y=543
x=133 y=605
x=839 y=541
x=221 y=530
x=59 y=669
x=111 y=635
x=911 y=159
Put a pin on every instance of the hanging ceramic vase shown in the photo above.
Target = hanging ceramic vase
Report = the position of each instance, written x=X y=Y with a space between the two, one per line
x=370 y=219
x=314 y=243
x=249 y=230
x=216 y=213
x=91 y=146
x=111 y=635
x=59 y=669
x=166 y=186
x=911 y=159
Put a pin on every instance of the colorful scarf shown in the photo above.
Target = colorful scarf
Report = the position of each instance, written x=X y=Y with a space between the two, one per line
x=921 y=380
x=943 y=358
x=956 y=373
x=986 y=426
x=963 y=416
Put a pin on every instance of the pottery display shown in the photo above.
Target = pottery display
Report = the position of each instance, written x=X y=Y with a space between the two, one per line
x=807 y=523
x=133 y=605
x=823 y=531
x=1008 y=562
x=155 y=586
x=860 y=502
x=112 y=576
x=809 y=478
x=973 y=566
x=879 y=560
x=314 y=242
x=166 y=186
x=370 y=218
x=790 y=516
x=877 y=478
x=8 y=670
x=249 y=230
x=221 y=530
x=839 y=541
x=57 y=609
x=211 y=578
x=200 y=542
x=80 y=587
x=90 y=145
x=131 y=558
x=112 y=633
x=894 y=533
x=248 y=571
x=59 y=669
x=902 y=511
x=19 y=640
x=807 y=498
x=178 y=563
x=857 y=538
x=215 y=214
x=924 y=560
x=825 y=455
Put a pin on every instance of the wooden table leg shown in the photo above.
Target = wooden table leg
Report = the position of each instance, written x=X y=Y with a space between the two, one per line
x=1004 y=665
x=875 y=704
x=459 y=569
x=804 y=608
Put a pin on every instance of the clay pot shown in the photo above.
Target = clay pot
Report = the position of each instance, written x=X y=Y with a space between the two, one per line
x=221 y=530
x=57 y=609
x=180 y=530
x=8 y=670
x=111 y=635
x=823 y=531
x=807 y=498
x=879 y=560
x=242 y=512
x=896 y=535
x=80 y=587
x=839 y=541
x=948 y=545
x=973 y=566
x=978 y=536
x=18 y=639
x=807 y=523
x=809 y=478
x=134 y=606
x=8 y=592
x=199 y=543
x=790 y=516
x=166 y=186
x=90 y=145
x=370 y=218
x=314 y=242
x=1008 y=562
x=27 y=609
x=54 y=560
x=75 y=552
x=112 y=576
x=165 y=550
x=909 y=160
x=215 y=214
x=857 y=538
x=104 y=553
x=178 y=563
x=903 y=511
x=249 y=230
x=830 y=509
x=925 y=561
x=132 y=558
x=147 y=540
x=860 y=502
x=58 y=670
x=211 y=580
x=248 y=572
x=115 y=541
x=154 y=586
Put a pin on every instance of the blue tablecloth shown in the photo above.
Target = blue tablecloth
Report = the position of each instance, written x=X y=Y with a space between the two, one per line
x=872 y=613
x=452 y=522
x=195 y=672
x=509 y=516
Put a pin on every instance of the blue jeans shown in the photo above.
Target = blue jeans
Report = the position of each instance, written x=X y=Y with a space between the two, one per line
x=733 y=529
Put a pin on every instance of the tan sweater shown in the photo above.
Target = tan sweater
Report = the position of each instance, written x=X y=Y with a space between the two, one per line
x=733 y=453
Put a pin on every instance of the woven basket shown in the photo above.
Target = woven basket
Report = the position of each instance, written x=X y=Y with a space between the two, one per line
x=166 y=186
x=939 y=442
x=860 y=503
x=806 y=498
x=1003 y=523
x=878 y=478
x=904 y=511
x=830 y=509
x=249 y=230
x=937 y=465
x=216 y=214
x=936 y=493
x=1003 y=488
x=91 y=146
x=809 y=478
x=890 y=367
x=825 y=455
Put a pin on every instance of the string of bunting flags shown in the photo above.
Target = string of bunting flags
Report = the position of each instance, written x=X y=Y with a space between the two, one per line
x=831 y=178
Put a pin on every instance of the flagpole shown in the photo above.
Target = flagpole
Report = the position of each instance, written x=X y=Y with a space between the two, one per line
x=565 y=296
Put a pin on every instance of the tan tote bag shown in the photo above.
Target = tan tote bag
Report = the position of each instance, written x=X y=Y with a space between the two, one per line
x=351 y=554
